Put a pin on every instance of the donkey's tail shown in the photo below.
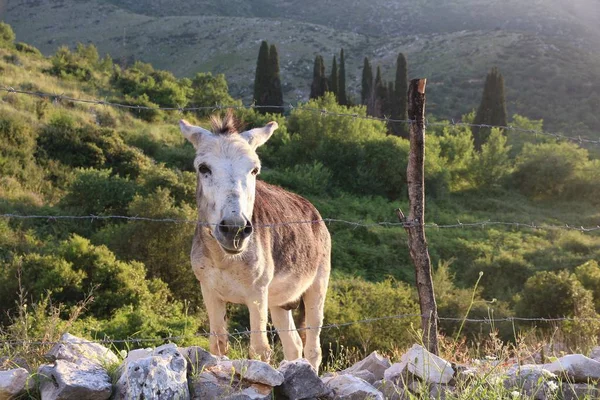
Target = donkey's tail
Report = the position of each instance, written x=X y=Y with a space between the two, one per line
x=301 y=325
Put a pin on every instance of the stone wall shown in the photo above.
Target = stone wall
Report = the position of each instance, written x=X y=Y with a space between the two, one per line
x=79 y=370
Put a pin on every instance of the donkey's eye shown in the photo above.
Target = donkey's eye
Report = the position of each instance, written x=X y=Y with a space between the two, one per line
x=203 y=169
x=255 y=171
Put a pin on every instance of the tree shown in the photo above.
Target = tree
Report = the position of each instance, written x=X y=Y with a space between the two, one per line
x=275 y=92
x=492 y=109
x=319 y=84
x=334 y=79
x=342 y=97
x=378 y=95
x=261 y=78
x=367 y=82
x=399 y=98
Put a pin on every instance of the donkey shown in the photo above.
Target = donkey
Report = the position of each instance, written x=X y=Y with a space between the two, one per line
x=249 y=248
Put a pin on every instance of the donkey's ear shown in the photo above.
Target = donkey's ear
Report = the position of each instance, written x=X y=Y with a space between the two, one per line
x=193 y=133
x=258 y=136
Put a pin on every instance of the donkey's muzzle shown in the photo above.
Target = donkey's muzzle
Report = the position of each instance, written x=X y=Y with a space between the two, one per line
x=232 y=234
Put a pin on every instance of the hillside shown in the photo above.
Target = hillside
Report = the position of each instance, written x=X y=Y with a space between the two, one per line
x=547 y=51
x=68 y=167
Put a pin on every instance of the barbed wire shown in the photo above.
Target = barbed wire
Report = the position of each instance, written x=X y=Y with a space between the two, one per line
x=356 y=224
x=272 y=331
x=218 y=107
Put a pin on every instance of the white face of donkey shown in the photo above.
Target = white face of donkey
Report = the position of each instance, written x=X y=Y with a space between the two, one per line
x=227 y=165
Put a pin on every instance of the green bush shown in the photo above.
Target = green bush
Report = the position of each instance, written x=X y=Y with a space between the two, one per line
x=589 y=276
x=7 y=36
x=28 y=49
x=98 y=192
x=91 y=147
x=163 y=247
x=354 y=300
x=17 y=150
x=307 y=179
x=558 y=295
x=546 y=170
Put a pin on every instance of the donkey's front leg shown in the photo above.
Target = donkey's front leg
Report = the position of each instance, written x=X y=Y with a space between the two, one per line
x=259 y=343
x=217 y=318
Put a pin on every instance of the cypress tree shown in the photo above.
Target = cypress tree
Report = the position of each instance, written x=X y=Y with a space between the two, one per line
x=399 y=98
x=261 y=78
x=342 y=97
x=333 y=78
x=319 y=84
x=275 y=92
x=367 y=82
x=379 y=95
x=492 y=109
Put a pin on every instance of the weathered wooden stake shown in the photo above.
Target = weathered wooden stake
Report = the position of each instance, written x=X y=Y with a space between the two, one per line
x=414 y=224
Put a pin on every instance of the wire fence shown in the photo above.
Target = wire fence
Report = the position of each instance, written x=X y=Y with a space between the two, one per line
x=57 y=98
x=356 y=224
x=272 y=331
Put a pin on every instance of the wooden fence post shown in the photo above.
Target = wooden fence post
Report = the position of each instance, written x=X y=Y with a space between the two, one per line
x=414 y=224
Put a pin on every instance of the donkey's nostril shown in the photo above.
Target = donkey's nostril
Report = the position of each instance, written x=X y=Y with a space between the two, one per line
x=248 y=229
x=223 y=228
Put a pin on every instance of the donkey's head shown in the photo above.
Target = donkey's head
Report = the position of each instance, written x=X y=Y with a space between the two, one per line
x=226 y=164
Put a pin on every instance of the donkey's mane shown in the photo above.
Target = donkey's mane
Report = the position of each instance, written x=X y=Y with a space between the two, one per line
x=225 y=125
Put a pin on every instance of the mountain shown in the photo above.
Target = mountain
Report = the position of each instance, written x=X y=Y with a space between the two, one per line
x=548 y=50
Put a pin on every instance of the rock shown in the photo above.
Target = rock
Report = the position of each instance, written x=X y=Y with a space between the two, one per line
x=66 y=380
x=257 y=372
x=300 y=381
x=161 y=375
x=365 y=375
x=390 y=390
x=532 y=380
x=349 y=387
x=198 y=359
x=575 y=391
x=595 y=353
x=576 y=367
x=221 y=382
x=13 y=383
x=374 y=363
x=8 y=363
x=556 y=349
x=441 y=392
x=423 y=364
x=75 y=349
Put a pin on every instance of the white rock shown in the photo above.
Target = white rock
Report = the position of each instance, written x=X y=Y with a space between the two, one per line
x=349 y=387
x=13 y=382
x=374 y=363
x=78 y=350
x=70 y=381
x=577 y=367
x=161 y=375
x=419 y=362
x=258 y=372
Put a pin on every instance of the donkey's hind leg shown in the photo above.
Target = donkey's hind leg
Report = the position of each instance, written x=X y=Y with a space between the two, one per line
x=290 y=340
x=314 y=301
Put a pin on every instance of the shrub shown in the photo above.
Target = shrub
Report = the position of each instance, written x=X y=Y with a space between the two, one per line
x=558 y=295
x=492 y=164
x=354 y=300
x=546 y=170
x=98 y=192
x=7 y=36
x=305 y=178
x=28 y=49
x=164 y=248
x=589 y=276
